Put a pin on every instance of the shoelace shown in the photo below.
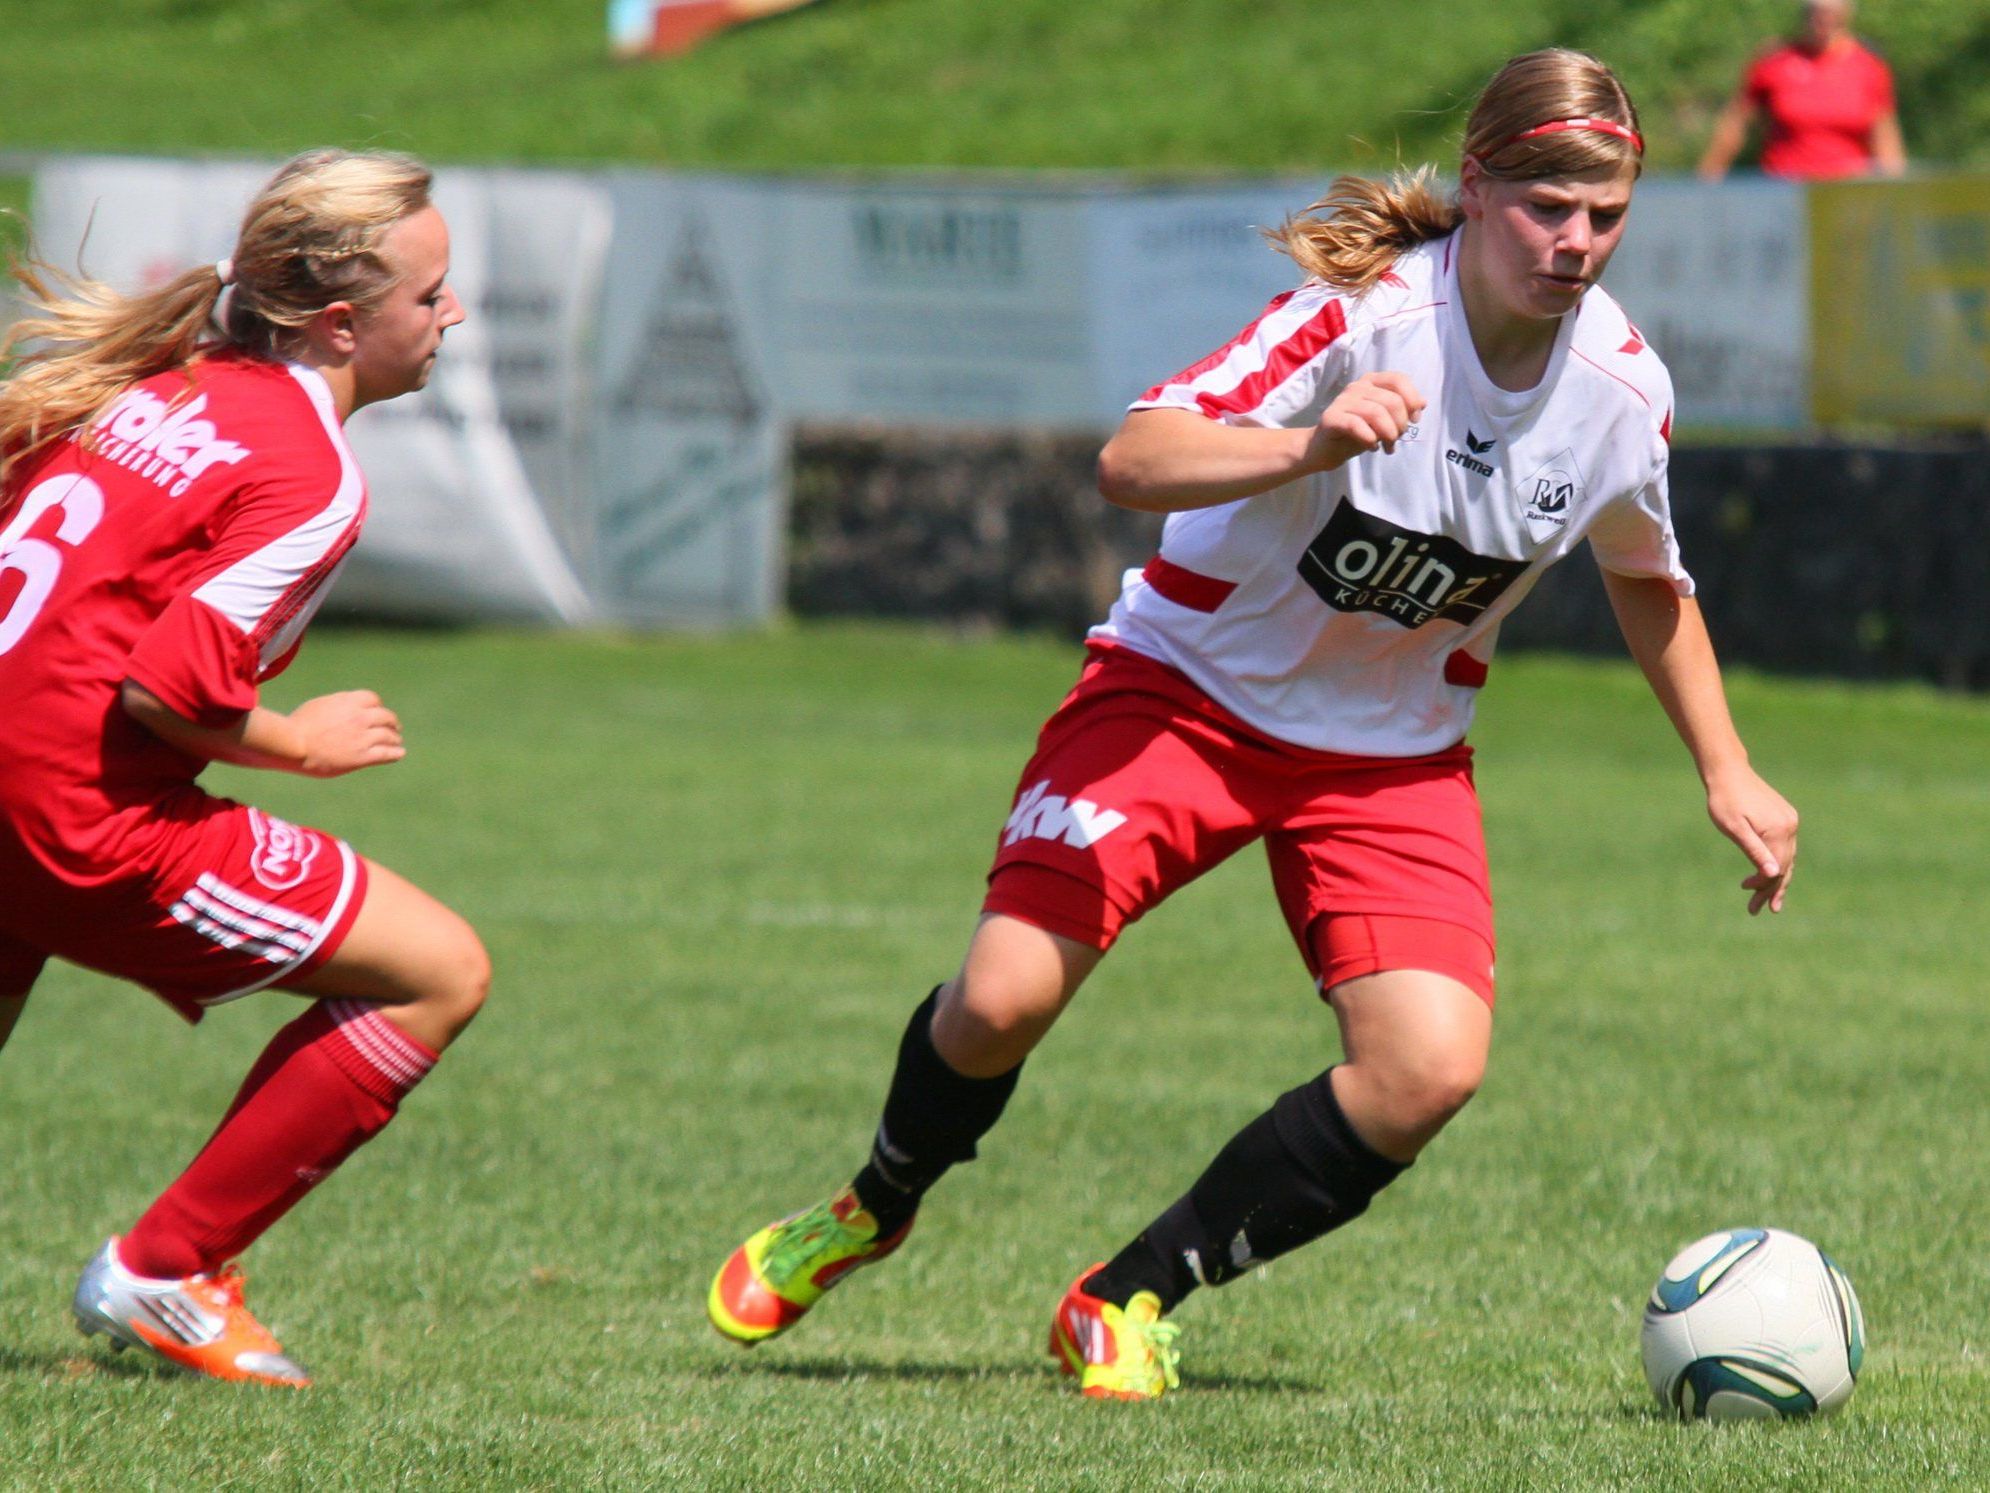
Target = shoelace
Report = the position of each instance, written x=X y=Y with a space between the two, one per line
x=226 y=1286
x=812 y=1235
x=1160 y=1340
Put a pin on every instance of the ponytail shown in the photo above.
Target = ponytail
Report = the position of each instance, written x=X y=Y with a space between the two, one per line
x=93 y=343
x=1350 y=237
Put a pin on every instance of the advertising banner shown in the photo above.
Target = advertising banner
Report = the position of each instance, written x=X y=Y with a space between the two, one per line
x=687 y=460
x=1900 y=301
x=1715 y=276
x=926 y=304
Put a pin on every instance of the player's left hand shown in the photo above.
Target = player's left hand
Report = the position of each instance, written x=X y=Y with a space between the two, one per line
x=1764 y=824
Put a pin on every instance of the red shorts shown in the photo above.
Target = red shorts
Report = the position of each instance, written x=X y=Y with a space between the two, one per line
x=220 y=901
x=1141 y=783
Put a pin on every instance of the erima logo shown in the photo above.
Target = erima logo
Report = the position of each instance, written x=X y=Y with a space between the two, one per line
x=164 y=444
x=1359 y=563
x=1043 y=815
x=1477 y=448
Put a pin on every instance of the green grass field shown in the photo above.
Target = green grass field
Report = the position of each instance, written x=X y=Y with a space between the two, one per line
x=715 y=874
x=1196 y=85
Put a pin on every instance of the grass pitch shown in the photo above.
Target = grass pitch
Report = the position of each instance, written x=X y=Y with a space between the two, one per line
x=716 y=873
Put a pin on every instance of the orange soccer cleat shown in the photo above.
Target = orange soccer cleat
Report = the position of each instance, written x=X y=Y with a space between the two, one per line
x=199 y=1323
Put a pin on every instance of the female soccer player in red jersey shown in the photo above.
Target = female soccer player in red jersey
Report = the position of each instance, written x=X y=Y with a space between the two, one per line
x=1359 y=487
x=174 y=502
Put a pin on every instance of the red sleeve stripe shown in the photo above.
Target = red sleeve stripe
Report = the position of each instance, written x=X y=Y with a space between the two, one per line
x=1326 y=327
x=1462 y=668
x=1185 y=587
x=1201 y=366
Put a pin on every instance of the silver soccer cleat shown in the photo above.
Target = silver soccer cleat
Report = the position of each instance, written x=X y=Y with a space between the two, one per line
x=199 y=1323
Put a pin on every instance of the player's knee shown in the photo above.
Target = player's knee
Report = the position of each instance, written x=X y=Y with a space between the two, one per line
x=459 y=979
x=990 y=1019
x=1425 y=1093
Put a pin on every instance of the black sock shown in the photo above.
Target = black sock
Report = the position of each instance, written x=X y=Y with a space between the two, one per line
x=932 y=1118
x=1294 y=1173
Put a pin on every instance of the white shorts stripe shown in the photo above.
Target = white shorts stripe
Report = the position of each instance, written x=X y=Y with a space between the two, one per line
x=255 y=907
x=231 y=938
x=243 y=922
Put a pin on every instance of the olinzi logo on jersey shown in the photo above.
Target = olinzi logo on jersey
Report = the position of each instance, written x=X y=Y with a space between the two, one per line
x=1360 y=563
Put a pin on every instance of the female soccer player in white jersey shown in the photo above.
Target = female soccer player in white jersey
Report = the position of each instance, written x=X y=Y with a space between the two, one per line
x=174 y=502
x=1359 y=487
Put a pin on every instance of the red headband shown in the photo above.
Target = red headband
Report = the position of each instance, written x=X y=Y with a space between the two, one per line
x=1556 y=126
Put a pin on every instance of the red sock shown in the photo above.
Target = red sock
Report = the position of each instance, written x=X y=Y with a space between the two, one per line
x=326 y=1084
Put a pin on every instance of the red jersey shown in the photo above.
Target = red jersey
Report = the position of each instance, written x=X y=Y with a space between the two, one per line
x=185 y=545
x=1821 y=109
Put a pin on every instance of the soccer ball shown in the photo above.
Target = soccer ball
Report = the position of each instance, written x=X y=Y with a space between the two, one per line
x=1751 y=1324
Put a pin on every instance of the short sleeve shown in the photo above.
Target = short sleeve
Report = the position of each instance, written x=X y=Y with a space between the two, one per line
x=1269 y=371
x=1633 y=536
x=1756 y=83
x=240 y=619
x=1882 y=86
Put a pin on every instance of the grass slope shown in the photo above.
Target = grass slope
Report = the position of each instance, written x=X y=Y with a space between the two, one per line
x=716 y=873
x=1195 y=85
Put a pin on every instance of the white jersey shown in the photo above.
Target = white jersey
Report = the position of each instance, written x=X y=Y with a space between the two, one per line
x=1356 y=610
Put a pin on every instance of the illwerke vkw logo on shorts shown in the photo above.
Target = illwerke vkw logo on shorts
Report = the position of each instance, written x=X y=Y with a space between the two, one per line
x=1550 y=495
x=284 y=852
x=1042 y=815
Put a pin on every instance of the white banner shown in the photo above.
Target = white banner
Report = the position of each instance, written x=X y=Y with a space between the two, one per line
x=689 y=466
x=1717 y=277
x=926 y=304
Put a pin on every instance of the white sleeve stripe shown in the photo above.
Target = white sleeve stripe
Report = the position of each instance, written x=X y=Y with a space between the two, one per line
x=253 y=592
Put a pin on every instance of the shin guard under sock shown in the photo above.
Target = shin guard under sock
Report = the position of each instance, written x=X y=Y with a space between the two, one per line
x=326 y=1084
x=932 y=1118
x=1294 y=1173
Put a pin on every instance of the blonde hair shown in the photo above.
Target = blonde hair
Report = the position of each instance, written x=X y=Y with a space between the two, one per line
x=311 y=237
x=1350 y=237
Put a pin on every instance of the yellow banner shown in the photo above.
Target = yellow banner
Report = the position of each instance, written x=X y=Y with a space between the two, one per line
x=1900 y=302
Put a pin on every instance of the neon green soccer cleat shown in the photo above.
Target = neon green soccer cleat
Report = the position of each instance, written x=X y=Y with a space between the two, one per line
x=769 y=1283
x=1114 y=1354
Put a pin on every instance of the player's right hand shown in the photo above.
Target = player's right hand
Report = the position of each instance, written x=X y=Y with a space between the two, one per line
x=1372 y=411
x=344 y=732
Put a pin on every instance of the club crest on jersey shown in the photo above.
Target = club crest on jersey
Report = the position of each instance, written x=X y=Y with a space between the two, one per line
x=166 y=444
x=1042 y=815
x=284 y=852
x=1548 y=497
x=1361 y=563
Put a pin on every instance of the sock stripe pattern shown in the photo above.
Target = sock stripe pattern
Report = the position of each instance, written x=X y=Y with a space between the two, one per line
x=377 y=1055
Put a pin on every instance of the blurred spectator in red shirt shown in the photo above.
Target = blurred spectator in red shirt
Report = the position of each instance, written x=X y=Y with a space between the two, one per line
x=1827 y=101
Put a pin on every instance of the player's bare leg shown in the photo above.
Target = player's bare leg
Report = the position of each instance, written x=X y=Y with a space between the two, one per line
x=421 y=963
x=408 y=978
x=958 y=1062
x=1416 y=1045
